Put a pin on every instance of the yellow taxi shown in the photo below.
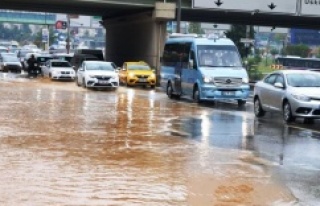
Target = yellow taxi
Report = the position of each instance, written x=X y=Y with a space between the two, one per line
x=137 y=73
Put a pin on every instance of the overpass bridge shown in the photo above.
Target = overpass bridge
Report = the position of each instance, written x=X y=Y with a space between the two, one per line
x=27 y=17
x=136 y=29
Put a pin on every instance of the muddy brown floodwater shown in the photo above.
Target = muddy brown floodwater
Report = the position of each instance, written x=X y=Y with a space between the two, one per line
x=64 y=145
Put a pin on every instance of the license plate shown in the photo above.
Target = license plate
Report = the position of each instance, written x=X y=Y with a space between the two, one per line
x=142 y=80
x=228 y=93
x=103 y=82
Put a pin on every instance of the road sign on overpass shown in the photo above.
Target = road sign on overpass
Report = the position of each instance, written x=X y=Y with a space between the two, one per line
x=263 y=6
x=310 y=7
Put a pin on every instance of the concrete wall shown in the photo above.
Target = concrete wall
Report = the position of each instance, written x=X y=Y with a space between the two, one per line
x=135 y=38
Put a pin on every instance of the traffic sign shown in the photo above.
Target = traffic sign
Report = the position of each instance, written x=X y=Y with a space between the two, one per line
x=73 y=16
x=269 y=6
x=61 y=24
x=247 y=41
x=310 y=7
x=45 y=35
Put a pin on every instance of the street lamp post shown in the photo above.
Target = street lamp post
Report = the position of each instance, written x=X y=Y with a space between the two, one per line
x=178 y=15
x=68 y=34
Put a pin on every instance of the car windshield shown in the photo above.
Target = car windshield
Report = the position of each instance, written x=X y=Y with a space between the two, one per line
x=303 y=80
x=10 y=58
x=138 y=67
x=60 y=64
x=218 y=56
x=99 y=66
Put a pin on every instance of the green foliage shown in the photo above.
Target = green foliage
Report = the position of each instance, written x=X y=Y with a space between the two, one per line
x=24 y=34
x=237 y=32
x=38 y=37
x=297 y=50
x=195 y=27
x=274 y=51
x=318 y=54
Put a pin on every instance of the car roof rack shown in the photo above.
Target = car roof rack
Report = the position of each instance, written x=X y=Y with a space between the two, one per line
x=177 y=35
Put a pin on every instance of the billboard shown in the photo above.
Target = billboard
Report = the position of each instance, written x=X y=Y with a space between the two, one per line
x=263 y=6
x=305 y=36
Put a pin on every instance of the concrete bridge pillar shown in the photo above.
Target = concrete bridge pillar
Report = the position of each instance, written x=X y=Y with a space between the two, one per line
x=138 y=37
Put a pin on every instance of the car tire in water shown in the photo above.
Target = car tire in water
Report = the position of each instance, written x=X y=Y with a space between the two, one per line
x=287 y=113
x=84 y=83
x=258 y=111
x=196 y=95
x=77 y=82
x=241 y=102
x=170 y=91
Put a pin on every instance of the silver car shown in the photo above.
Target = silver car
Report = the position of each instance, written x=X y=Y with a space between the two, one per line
x=294 y=93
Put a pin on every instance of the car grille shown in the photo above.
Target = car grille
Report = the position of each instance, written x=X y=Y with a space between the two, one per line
x=100 y=77
x=142 y=76
x=227 y=82
x=316 y=112
x=13 y=67
x=65 y=72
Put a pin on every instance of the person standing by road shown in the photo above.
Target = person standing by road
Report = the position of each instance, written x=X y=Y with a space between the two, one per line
x=31 y=65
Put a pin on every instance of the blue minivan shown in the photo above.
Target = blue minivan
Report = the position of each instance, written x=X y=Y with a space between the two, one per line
x=206 y=69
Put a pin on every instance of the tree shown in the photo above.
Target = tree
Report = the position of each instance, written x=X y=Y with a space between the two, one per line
x=274 y=51
x=237 y=32
x=195 y=27
x=300 y=50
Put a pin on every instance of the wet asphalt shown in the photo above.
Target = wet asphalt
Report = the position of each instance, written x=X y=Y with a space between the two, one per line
x=65 y=145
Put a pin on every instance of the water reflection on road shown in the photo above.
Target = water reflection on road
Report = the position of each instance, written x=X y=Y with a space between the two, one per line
x=63 y=145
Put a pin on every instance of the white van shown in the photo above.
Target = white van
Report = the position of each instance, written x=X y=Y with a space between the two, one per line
x=204 y=69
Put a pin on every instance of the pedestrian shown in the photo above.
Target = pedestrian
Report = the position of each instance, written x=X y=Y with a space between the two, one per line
x=31 y=65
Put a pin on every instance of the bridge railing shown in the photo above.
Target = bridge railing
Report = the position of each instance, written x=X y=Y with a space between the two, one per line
x=27 y=17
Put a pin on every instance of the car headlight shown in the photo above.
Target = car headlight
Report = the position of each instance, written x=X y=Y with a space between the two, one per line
x=91 y=76
x=207 y=79
x=245 y=80
x=131 y=75
x=301 y=97
x=152 y=76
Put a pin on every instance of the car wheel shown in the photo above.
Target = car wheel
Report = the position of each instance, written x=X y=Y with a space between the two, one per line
x=241 y=102
x=287 y=113
x=196 y=95
x=152 y=86
x=77 y=82
x=84 y=83
x=308 y=121
x=258 y=111
x=170 y=91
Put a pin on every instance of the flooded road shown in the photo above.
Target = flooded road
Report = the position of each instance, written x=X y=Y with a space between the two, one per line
x=64 y=145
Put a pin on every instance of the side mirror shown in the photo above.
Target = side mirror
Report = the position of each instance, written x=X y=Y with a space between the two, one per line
x=279 y=85
x=191 y=64
x=81 y=69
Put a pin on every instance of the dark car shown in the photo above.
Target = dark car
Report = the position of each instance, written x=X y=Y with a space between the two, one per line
x=77 y=59
x=10 y=63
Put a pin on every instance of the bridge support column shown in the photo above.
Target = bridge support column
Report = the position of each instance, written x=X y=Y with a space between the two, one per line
x=140 y=37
